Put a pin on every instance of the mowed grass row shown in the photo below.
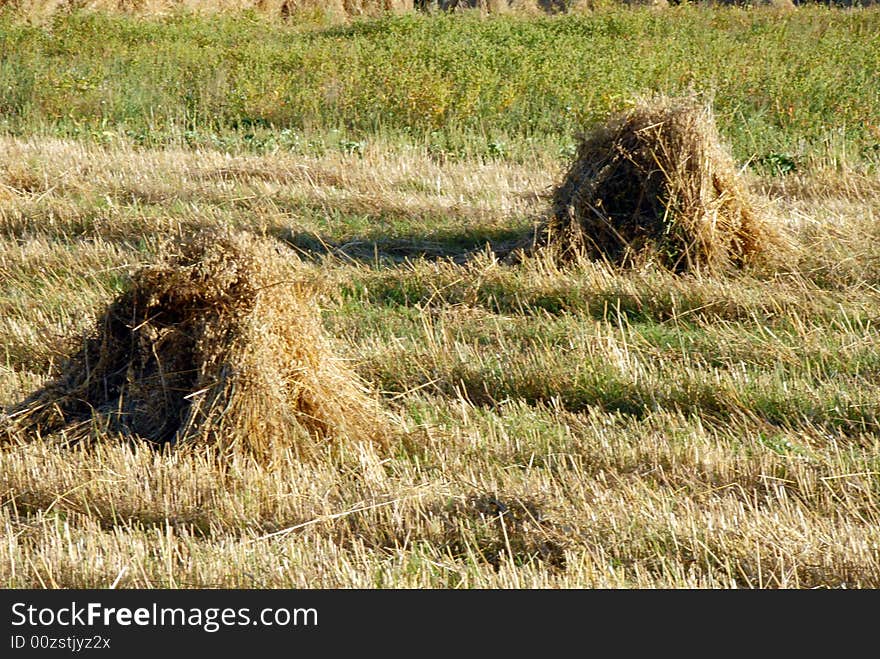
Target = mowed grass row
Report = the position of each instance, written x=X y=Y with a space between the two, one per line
x=789 y=87
x=579 y=427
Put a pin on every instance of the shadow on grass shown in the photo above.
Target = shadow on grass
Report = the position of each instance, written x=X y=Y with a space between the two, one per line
x=455 y=246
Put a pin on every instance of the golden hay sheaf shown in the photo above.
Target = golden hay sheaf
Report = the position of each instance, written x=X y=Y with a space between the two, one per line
x=656 y=183
x=214 y=344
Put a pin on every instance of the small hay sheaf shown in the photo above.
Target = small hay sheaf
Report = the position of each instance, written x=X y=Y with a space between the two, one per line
x=214 y=344
x=657 y=183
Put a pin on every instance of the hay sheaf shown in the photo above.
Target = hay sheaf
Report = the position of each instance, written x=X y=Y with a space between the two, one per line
x=214 y=344
x=656 y=183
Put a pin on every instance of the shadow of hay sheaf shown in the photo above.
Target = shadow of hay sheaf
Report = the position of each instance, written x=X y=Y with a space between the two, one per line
x=218 y=343
x=656 y=184
x=459 y=247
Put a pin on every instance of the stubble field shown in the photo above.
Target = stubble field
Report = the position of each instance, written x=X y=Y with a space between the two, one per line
x=574 y=426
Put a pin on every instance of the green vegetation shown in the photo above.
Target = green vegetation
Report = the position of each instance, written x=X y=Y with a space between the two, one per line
x=787 y=86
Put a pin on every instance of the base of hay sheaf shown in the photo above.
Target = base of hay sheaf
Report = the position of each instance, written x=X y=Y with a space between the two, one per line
x=214 y=344
x=656 y=183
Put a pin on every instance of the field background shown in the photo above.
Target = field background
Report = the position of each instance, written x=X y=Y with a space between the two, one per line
x=581 y=427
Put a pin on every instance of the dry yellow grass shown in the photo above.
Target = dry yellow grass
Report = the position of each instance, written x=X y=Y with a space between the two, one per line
x=283 y=9
x=291 y=9
x=175 y=191
x=573 y=427
x=334 y=9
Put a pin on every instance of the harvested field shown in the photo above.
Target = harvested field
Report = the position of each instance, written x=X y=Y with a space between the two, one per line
x=609 y=416
x=257 y=330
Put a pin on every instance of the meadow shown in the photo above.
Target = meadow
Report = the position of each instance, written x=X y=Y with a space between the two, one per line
x=577 y=426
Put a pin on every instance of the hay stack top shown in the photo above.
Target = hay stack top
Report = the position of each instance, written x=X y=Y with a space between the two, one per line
x=656 y=183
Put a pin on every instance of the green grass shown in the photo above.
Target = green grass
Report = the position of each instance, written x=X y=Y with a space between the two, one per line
x=788 y=87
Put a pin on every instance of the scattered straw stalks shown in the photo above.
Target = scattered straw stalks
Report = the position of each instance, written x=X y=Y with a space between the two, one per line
x=214 y=345
x=330 y=9
x=656 y=183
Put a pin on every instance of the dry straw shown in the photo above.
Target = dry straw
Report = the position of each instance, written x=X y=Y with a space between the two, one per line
x=656 y=183
x=340 y=9
x=217 y=345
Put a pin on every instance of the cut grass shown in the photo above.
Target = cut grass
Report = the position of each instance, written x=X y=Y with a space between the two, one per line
x=567 y=427
x=631 y=428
